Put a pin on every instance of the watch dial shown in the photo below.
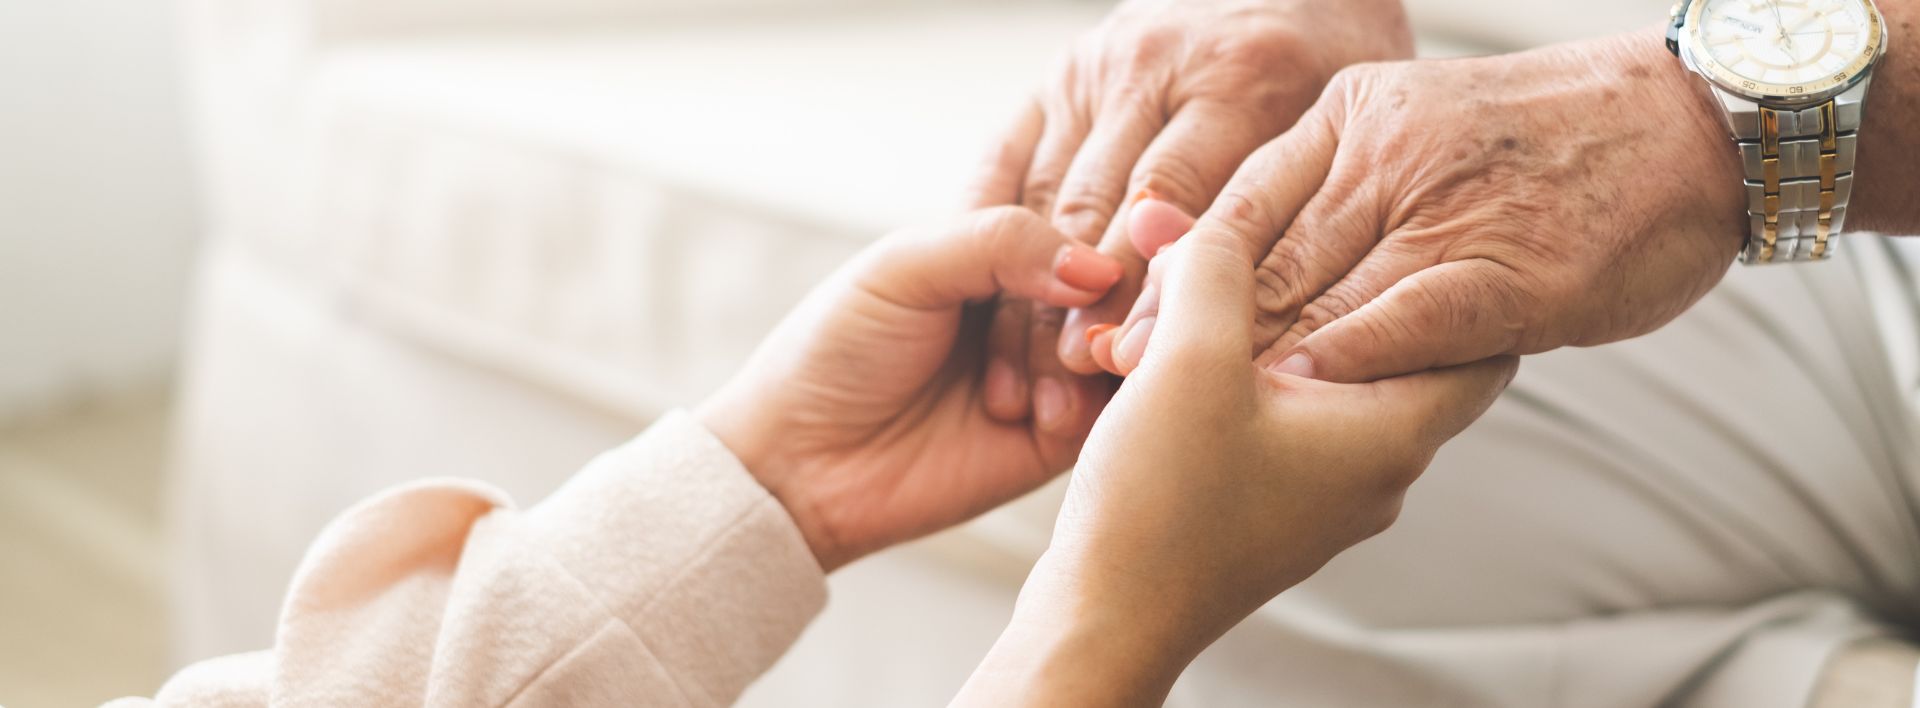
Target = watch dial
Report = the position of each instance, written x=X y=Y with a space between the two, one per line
x=1785 y=41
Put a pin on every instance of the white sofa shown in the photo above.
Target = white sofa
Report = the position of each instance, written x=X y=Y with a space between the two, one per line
x=489 y=238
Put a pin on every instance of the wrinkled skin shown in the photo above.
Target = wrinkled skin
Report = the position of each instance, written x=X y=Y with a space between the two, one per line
x=1166 y=97
x=1434 y=213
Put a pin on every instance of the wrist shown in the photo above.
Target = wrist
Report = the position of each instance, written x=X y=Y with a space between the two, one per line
x=733 y=423
x=1689 y=129
x=1068 y=646
x=1888 y=165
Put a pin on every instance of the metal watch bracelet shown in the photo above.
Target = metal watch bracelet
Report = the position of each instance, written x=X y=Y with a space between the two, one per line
x=1799 y=176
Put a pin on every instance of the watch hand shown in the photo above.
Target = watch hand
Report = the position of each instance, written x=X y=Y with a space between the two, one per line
x=1785 y=38
x=1795 y=29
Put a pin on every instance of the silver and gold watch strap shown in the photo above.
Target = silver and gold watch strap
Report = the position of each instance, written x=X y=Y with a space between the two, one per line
x=1799 y=176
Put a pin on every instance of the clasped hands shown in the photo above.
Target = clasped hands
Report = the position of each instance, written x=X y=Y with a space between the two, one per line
x=1374 y=243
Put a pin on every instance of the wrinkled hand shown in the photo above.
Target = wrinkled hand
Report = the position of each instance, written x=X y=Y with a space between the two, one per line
x=1208 y=486
x=1432 y=213
x=862 y=412
x=1166 y=96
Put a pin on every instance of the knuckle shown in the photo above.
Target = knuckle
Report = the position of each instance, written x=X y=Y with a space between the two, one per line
x=1331 y=305
x=1347 y=81
x=1433 y=296
x=1266 y=46
x=1377 y=329
x=1151 y=47
x=1274 y=292
x=1042 y=188
x=1509 y=304
x=1245 y=213
x=1002 y=224
x=1350 y=84
x=1087 y=210
x=1174 y=178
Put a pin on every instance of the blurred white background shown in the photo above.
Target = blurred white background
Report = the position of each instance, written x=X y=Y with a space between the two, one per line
x=474 y=237
x=98 y=217
x=98 y=196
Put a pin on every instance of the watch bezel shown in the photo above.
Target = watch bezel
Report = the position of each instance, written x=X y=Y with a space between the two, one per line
x=1692 y=47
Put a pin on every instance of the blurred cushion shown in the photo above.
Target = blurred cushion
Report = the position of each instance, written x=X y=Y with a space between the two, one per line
x=594 y=209
x=1518 y=24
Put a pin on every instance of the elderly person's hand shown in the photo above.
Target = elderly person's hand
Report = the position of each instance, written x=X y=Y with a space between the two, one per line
x=1166 y=96
x=862 y=412
x=1208 y=486
x=1431 y=213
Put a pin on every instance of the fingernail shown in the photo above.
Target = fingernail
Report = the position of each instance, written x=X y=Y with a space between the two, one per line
x=1299 y=364
x=1050 y=404
x=1101 y=349
x=1134 y=347
x=1083 y=268
x=1153 y=225
x=1095 y=331
x=1003 y=385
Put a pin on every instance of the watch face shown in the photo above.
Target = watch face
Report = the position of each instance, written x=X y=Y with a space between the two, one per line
x=1783 y=49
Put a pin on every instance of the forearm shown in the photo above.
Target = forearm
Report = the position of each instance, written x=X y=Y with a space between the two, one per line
x=1884 y=196
x=1065 y=646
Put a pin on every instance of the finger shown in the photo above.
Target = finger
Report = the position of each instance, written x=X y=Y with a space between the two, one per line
x=1154 y=224
x=1008 y=383
x=1259 y=204
x=1100 y=339
x=1151 y=220
x=1000 y=181
x=1376 y=271
x=1061 y=441
x=990 y=252
x=1060 y=395
x=1435 y=405
x=1090 y=197
x=1449 y=314
x=1193 y=158
x=1334 y=235
x=1008 y=395
x=1060 y=140
x=1095 y=183
x=1187 y=164
x=1205 y=311
x=1277 y=183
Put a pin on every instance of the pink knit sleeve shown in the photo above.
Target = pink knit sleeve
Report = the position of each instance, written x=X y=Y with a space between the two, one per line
x=660 y=575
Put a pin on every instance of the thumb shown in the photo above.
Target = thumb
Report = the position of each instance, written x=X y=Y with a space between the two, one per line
x=1205 y=306
x=988 y=252
x=1435 y=405
x=1154 y=224
x=1452 y=313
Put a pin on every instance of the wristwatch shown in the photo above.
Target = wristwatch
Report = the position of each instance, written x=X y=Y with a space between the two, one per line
x=1791 y=77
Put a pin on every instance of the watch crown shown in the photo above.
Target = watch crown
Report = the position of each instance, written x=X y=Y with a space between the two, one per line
x=1673 y=26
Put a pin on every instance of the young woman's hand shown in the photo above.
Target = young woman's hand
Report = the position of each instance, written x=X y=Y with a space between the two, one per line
x=863 y=412
x=1208 y=486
